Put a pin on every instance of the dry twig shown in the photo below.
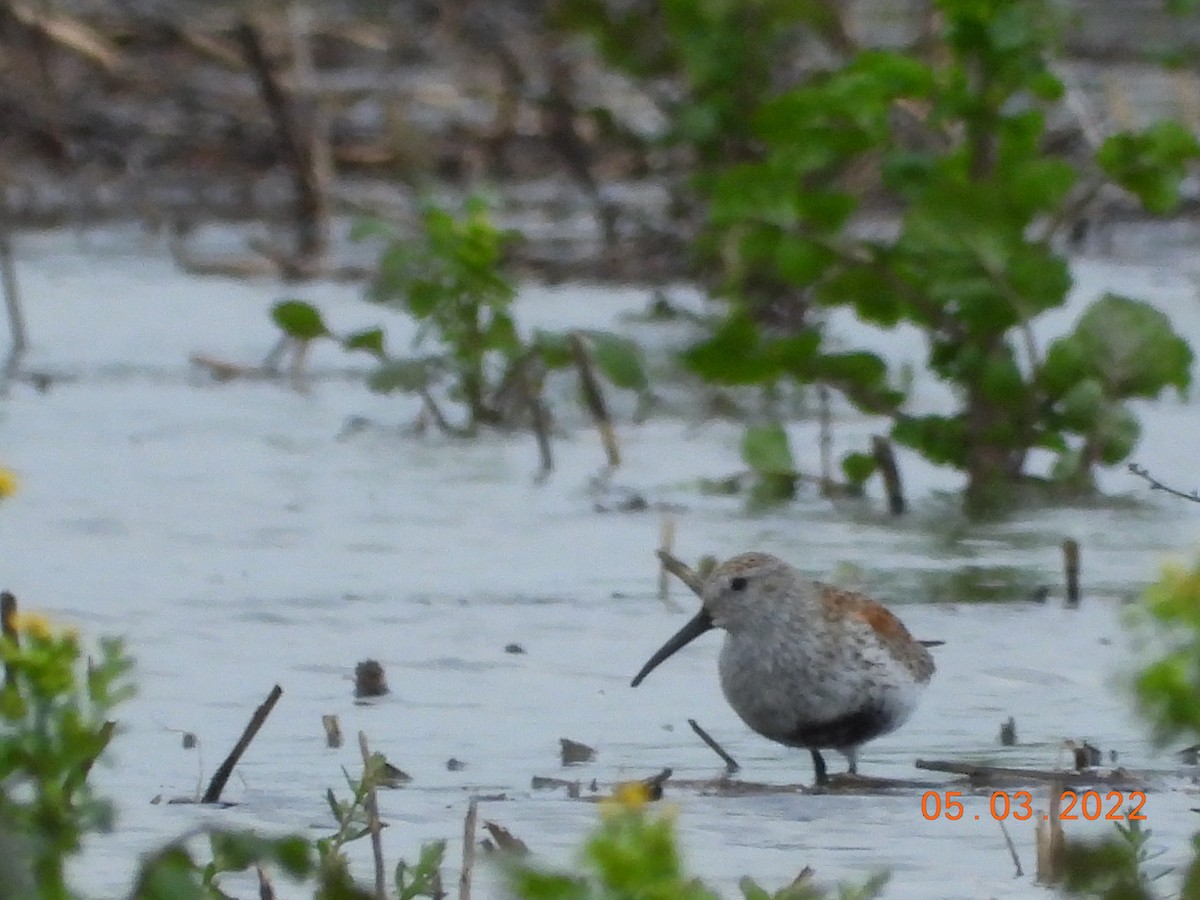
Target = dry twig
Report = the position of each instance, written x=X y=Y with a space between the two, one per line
x=217 y=784
x=468 y=860
x=731 y=764
x=682 y=571
x=1156 y=485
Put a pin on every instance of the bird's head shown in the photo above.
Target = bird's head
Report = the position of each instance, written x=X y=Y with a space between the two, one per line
x=731 y=592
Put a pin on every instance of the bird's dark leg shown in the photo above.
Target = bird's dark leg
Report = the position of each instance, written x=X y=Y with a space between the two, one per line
x=852 y=755
x=822 y=776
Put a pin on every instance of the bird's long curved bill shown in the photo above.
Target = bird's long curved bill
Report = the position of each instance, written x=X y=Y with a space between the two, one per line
x=701 y=623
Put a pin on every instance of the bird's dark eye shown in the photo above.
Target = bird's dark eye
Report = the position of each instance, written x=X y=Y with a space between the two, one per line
x=738 y=584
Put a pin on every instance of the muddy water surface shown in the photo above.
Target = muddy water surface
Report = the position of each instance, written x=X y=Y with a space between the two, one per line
x=240 y=535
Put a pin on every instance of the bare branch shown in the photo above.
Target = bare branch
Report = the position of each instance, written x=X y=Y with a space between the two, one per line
x=1156 y=485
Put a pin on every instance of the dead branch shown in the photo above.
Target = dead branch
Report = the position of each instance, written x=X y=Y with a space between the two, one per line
x=593 y=398
x=682 y=571
x=221 y=776
x=297 y=154
x=1156 y=485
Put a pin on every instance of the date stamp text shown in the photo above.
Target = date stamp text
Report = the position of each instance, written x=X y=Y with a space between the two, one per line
x=1089 y=805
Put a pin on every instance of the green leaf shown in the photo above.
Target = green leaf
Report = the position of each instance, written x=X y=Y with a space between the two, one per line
x=1083 y=405
x=869 y=291
x=1132 y=347
x=801 y=261
x=403 y=374
x=1151 y=163
x=299 y=319
x=370 y=227
x=618 y=358
x=554 y=348
x=733 y=355
x=1002 y=383
x=370 y=340
x=1117 y=434
x=1066 y=364
x=858 y=467
x=502 y=336
x=751 y=890
x=940 y=439
x=294 y=855
x=765 y=449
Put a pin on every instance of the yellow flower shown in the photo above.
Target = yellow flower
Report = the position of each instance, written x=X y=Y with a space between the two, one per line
x=628 y=795
x=33 y=624
x=8 y=482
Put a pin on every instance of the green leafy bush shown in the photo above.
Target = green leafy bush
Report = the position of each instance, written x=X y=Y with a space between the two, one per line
x=53 y=726
x=450 y=280
x=954 y=136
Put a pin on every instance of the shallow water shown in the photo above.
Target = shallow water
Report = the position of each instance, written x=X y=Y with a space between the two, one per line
x=239 y=536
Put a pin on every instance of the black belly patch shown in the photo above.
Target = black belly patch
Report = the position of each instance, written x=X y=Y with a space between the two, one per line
x=845 y=731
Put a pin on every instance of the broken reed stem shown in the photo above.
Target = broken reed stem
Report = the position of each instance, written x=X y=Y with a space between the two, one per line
x=299 y=357
x=270 y=363
x=468 y=857
x=12 y=296
x=266 y=891
x=885 y=462
x=320 y=155
x=682 y=571
x=531 y=387
x=295 y=152
x=1050 y=840
x=666 y=543
x=825 y=441
x=731 y=764
x=8 y=625
x=593 y=398
x=217 y=784
x=1070 y=549
x=371 y=804
x=1012 y=848
x=12 y=363
x=333 y=731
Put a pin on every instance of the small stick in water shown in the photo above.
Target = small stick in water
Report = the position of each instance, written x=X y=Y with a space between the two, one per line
x=468 y=860
x=266 y=890
x=682 y=571
x=1011 y=848
x=213 y=794
x=885 y=461
x=1070 y=549
x=333 y=731
x=531 y=388
x=666 y=545
x=731 y=764
x=593 y=398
